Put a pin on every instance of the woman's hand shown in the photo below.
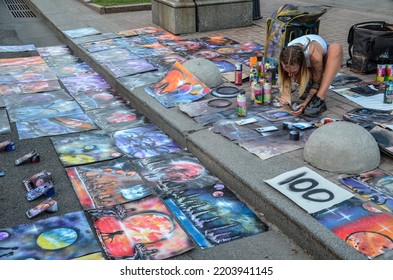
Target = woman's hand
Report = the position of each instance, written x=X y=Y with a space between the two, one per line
x=283 y=101
x=300 y=109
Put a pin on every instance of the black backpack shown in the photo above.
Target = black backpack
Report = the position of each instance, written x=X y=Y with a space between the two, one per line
x=370 y=43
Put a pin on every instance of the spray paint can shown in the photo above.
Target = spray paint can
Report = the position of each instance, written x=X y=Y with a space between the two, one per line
x=388 y=97
x=238 y=74
x=261 y=68
x=267 y=93
x=381 y=72
x=257 y=91
x=389 y=72
x=241 y=104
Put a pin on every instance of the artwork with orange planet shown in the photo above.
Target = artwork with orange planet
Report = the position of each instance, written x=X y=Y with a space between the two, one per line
x=107 y=183
x=361 y=225
x=177 y=86
x=62 y=237
x=213 y=214
x=140 y=230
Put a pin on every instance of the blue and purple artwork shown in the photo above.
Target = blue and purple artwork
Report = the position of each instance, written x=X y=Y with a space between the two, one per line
x=53 y=109
x=83 y=83
x=57 y=238
x=375 y=185
x=129 y=67
x=144 y=141
x=213 y=215
x=42 y=127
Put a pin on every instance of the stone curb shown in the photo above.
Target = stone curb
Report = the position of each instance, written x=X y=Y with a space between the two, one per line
x=116 y=9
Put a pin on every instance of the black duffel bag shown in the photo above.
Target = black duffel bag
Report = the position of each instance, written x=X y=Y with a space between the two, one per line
x=370 y=43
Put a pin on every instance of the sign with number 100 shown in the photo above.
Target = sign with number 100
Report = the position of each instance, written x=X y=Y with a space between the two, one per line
x=309 y=190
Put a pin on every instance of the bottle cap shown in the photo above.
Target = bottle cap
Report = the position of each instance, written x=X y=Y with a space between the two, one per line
x=253 y=61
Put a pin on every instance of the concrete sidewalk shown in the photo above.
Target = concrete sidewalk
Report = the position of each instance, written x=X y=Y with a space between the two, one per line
x=240 y=170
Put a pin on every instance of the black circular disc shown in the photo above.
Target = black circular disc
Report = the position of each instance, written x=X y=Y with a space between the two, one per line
x=225 y=91
x=219 y=103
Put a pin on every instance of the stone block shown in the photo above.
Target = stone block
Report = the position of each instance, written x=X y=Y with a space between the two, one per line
x=189 y=16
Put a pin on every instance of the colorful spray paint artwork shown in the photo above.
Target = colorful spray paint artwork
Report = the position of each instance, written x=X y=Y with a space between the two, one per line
x=80 y=32
x=141 y=230
x=179 y=85
x=4 y=123
x=25 y=100
x=165 y=61
x=276 y=115
x=33 y=87
x=85 y=83
x=72 y=70
x=113 y=55
x=275 y=143
x=97 y=46
x=144 y=141
x=28 y=129
x=223 y=65
x=308 y=189
x=214 y=215
x=206 y=107
x=54 y=50
x=20 y=48
x=218 y=41
x=20 y=62
x=90 y=100
x=117 y=118
x=54 y=109
x=361 y=225
x=143 y=79
x=129 y=67
x=30 y=77
x=84 y=148
x=107 y=183
x=174 y=172
x=57 y=238
x=375 y=185
x=98 y=37
x=244 y=133
x=127 y=33
x=60 y=60
x=384 y=138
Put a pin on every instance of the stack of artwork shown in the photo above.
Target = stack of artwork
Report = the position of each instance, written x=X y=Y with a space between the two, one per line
x=105 y=146
x=361 y=224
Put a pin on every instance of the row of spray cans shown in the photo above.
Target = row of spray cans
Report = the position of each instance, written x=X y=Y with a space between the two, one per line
x=261 y=80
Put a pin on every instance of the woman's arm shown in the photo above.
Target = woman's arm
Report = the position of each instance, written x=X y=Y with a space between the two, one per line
x=316 y=59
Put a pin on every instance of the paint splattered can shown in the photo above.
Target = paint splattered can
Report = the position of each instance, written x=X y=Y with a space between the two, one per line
x=238 y=74
x=267 y=93
x=389 y=72
x=388 y=97
x=381 y=72
x=257 y=91
x=241 y=104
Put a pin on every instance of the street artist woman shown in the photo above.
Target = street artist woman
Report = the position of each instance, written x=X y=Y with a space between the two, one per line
x=312 y=64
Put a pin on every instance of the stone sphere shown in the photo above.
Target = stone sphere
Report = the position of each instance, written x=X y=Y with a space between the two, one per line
x=342 y=147
x=205 y=70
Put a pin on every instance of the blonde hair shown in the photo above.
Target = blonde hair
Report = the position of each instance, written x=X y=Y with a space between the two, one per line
x=289 y=56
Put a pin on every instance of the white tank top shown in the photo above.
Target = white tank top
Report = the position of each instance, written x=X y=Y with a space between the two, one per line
x=306 y=39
